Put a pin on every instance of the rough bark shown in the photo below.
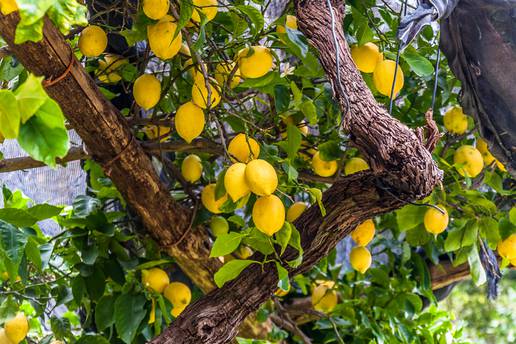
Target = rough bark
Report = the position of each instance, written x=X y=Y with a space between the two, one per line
x=402 y=170
x=110 y=142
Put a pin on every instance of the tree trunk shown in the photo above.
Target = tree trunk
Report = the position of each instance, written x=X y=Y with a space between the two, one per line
x=402 y=170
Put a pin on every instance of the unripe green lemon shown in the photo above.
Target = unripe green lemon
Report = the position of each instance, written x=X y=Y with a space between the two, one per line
x=235 y=181
x=93 y=41
x=360 y=259
x=295 y=211
x=261 y=177
x=189 y=121
x=366 y=57
x=242 y=148
x=147 y=91
x=435 y=222
x=268 y=214
x=322 y=167
x=155 y=9
x=355 y=165
x=470 y=161
x=209 y=201
x=364 y=233
x=191 y=168
x=254 y=62
x=218 y=225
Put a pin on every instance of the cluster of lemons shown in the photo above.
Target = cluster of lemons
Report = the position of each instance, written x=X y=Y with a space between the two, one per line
x=177 y=293
x=324 y=297
x=469 y=159
x=360 y=257
x=369 y=59
x=15 y=330
x=327 y=168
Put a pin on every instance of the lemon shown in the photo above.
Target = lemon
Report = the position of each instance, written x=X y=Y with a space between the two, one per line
x=200 y=92
x=208 y=7
x=366 y=57
x=455 y=121
x=8 y=6
x=295 y=211
x=268 y=214
x=147 y=91
x=155 y=9
x=323 y=168
x=507 y=248
x=108 y=67
x=383 y=77
x=223 y=71
x=191 y=168
x=364 y=233
x=435 y=222
x=355 y=165
x=219 y=225
x=178 y=294
x=324 y=299
x=155 y=279
x=154 y=131
x=93 y=41
x=242 y=148
x=209 y=201
x=243 y=252
x=280 y=292
x=189 y=121
x=254 y=62
x=290 y=22
x=161 y=38
x=513 y=262
x=487 y=156
x=152 y=315
x=3 y=337
x=176 y=311
x=16 y=329
x=303 y=127
x=261 y=177
x=235 y=181
x=470 y=161
x=360 y=259
x=185 y=50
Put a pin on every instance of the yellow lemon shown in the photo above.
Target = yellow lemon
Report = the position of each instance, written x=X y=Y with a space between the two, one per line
x=8 y=6
x=268 y=214
x=191 y=168
x=3 y=337
x=178 y=294
x=364 y=233
x=513 y=262
x=209 y=201
x=235 y=181
x=223 y=71
x=323 y=168
x=360 y=259
x=304 y=128
x=147 y=91
x=155 y=131
x=176 y=311
x=152 y=315
x=242 y=148
x=161 y=38
x=366 y=57
x=355 y=165
x=189 y=121
x=435 y=222
x=108 y=67
x=455 y=121
x=383 y=77
x=155 y=279
x=323 y=298
x=155 y=9
x=200 y=92
x=208 y=7
x=295 y=211
x=290 y=22
x=507 y=248
x=93 y=41
x=470 y=161
x=487 y=156
x=16 y=329
x=261 y=177
x=219 y=225
x=254 y=62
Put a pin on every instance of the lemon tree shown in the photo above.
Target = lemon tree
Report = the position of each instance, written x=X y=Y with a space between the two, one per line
x=224 y=165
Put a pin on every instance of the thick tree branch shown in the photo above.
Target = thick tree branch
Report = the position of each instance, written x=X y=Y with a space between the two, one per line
x=403 y=170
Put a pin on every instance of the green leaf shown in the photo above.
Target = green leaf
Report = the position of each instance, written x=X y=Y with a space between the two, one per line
x=417 y=63
x=418 y=236
x=105 y=312
x=129 y=313
x=330 y=150
x=185 y=13
x=283 y=236
x=44 y=211
x=220 y=189
x=30 y=96
x=254 y=15
x=512 y=215
x=461 y=237
x=259 y=242
x=92 y=339
x=230 y=271
x=309 y=110
x=295 y=242
x=489 y=230
x=17 y=217
x=283 y=281
x=9 y=115
x=44 y=136
x=33 y=254
x=12 y=244
x=8 y=309
x=293 y=140
x=475 y=266
x=226 y=243
x=317 y=195
x=84 y=205
x=410 y=216
x=296 y=42
x=237 y=220
x=281 y=98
